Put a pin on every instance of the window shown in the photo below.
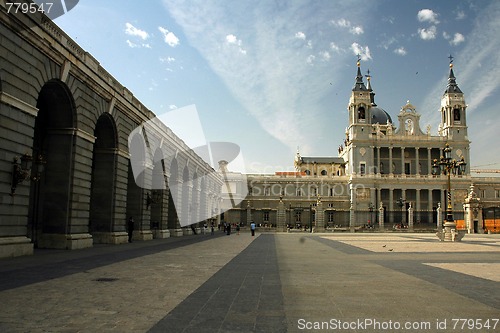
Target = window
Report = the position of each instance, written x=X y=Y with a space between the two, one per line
x=298 y=216
x=362 y=168
x=299 y=192
x=265 y=218
x=308 y=172
x=497 y=194
x=381 y=167
x=267 y=191
x=407 y=168
x=324 y=173
x=330 y=217
x=361 y=113
x=456 y=114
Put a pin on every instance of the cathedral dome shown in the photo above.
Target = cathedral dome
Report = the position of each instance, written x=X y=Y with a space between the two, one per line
x=380 y=116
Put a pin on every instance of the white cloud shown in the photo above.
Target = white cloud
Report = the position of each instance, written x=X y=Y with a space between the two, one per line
x=428 y=34
x=167 y=59
x=335 y=47
x=133 y=31
x=310 y=59
x=364 y=52
x=169 y=37
x=300 y=35
x=172 y=106
x=400 y=51
x=427 y=15
x=356 y=30
x=325 y=55
x=457 y=39
x=460 y=15
x=446 y=35
x=343 y=23
x=233 y=40
x=134 y=45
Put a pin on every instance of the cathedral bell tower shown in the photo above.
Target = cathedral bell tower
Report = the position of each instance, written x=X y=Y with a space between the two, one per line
x=453 y=116
x=359 y=108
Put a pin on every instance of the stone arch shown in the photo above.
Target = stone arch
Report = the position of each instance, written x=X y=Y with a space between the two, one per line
x=195 y=198
x=54 y=136
x=136 y=178
x=173 y=191
x=103 y=179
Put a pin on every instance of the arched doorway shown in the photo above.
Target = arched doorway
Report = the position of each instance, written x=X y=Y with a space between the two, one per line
x=173 y=191
x=49 y=210
x=184 y=214
x=102 y=193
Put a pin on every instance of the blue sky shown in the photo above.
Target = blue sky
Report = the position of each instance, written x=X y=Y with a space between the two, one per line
x=274 y=75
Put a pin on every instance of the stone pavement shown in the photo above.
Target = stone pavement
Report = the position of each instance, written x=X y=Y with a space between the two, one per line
x=268 y=283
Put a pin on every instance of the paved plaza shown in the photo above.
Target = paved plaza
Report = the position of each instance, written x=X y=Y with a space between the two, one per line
x=360 y=282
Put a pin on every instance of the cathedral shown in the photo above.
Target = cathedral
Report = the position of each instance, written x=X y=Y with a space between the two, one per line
x=386 y=175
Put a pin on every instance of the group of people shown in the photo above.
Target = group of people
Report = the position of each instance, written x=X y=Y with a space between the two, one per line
x=227 y=228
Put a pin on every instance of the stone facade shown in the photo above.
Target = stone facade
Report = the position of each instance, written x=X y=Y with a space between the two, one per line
x=59 y=106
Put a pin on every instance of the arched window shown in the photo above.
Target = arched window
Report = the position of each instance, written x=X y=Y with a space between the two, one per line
x=324 y=173
x=456 y=114
x=361 y=113
x=308 y=172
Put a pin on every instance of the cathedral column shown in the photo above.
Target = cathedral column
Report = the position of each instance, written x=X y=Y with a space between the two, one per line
x=403 y=161
x=391 y=206
x=417 y=162
x=403 y=196
x=391 y=171
x=429 y=162
x=378 y=160
x=429 y=205
x=417 y=200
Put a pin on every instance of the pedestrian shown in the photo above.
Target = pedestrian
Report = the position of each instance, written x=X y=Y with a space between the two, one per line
x=212 y=229
x=130 y=227
x=238 y=228
x=229 y=228
x=252 y=228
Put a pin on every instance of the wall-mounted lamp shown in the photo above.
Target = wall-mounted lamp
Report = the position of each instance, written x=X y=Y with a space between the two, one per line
x=21 y=171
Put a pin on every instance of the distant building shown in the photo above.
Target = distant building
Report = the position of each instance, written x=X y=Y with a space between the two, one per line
x=383 y=170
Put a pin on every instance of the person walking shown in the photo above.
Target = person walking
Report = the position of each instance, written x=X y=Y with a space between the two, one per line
x=238 y=228
x=252 y=228
x=130 y=228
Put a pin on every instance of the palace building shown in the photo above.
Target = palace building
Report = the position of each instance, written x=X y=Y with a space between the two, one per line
x=383 y=175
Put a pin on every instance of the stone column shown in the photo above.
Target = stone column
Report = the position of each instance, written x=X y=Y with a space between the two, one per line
x=280 y=216
x=351 y=209
x=381 y=217
x=391 y=172
x=320 y=216
x=378 y=160
x=417 y=162
x=403 y=161
x=439 y=217
x=473 y=212
x=429 y=162
x=249 y=213
x=410 y=218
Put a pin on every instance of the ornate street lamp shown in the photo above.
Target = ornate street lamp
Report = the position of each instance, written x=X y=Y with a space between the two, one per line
x=446 y=166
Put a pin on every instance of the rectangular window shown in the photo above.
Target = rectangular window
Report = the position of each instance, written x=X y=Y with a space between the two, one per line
x=407 y=168
x=298 y=216
x=266 y=217
x=267 y=191
x=362 y=168
x=330 y=216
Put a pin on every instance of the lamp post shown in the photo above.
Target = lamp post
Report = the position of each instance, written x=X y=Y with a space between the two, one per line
x=446 y=166
x=370 y=222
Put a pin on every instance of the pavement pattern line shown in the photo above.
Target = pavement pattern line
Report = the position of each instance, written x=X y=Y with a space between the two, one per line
x=124 y=296
x=244 y=296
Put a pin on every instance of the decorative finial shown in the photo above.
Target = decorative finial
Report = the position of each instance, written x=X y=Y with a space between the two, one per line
x=451 y=61
x=368 y=76
x=358 y=63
